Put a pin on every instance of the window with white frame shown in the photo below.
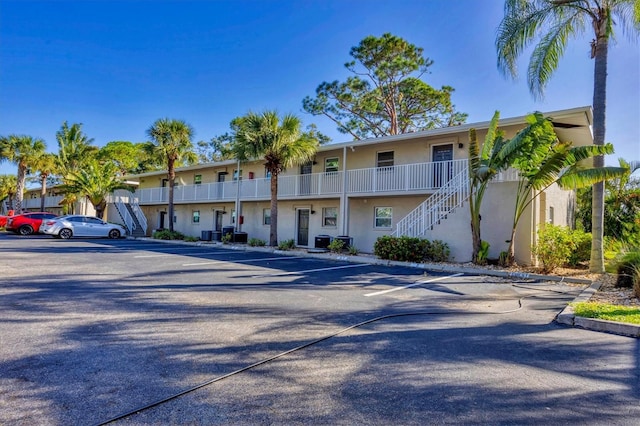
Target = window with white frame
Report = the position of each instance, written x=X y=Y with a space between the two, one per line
x=330 y=216
x=197 y=179
x=551 y=213
x=237 y=174
x=233 y=216
x=266 y=216
x=383 y=216
x=331 y=165
x=195 y=218
x=384 y=159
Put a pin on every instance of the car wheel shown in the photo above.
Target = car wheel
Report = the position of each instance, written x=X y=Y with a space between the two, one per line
x=25 y=230
x=65 y=233
x=114 y=234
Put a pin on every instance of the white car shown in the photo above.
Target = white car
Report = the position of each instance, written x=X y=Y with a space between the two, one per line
x=81 y=226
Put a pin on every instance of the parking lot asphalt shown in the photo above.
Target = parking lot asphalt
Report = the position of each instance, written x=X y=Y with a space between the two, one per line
x=92 y=330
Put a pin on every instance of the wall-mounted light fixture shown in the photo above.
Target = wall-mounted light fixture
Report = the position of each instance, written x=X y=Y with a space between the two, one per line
x=460 y=145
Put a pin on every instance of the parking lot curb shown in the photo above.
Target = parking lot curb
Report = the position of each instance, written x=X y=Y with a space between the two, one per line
x=566 y=317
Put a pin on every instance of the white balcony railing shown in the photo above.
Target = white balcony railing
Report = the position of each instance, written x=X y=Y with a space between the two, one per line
x=408 y=177
x=49 y=202
x=402 y=178
x=288 y=186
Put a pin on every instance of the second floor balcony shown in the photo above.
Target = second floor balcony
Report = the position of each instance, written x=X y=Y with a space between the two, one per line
x=407 y=178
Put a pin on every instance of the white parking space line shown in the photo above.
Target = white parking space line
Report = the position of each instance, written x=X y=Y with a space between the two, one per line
x=257 y=259
x=202 y=253
x=377 y=293
x=309 y=270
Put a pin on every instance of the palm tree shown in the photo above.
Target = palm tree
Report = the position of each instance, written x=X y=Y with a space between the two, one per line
x=95 y=181
x=542 y=160
x=68 y=202
x=23 y=151
x=8 y=184
x=554 y=23
x=44 y=165
x=280 y=143
x=75 y=148
x=484 y=165
x=171 y=143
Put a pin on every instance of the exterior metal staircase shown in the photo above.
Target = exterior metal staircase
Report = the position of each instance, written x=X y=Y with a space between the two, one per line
x=131 y=214
x=436 y=208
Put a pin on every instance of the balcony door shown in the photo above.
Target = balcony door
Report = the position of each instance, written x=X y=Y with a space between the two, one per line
x=442 y=158
x=222 y=176
x=305 y=178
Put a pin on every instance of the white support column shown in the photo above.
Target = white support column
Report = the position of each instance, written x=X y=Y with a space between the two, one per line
x=344 y=209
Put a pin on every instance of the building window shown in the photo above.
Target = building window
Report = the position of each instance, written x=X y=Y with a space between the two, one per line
x=196 y=216
x=551 y=215
x=385 y=159
x=330 y=216
x=267 y=173
x=331 y=165
x=197 y=179
x=237 y=174
x=383 y=217
x=233 y=216
x=266 y=216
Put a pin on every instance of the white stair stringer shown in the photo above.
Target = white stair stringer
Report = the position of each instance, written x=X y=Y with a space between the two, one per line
x=441 y=203
x=131 y=213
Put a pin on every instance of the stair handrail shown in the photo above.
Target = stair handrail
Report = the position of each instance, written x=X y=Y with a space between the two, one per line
x=442 y=202
x=142 y=219
x=124 y=213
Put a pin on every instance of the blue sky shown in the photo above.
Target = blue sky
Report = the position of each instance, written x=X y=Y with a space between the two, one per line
x=116 y=66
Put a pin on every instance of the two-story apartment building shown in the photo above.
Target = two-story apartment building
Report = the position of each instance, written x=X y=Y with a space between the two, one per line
x=53 y=202
x=411 y=184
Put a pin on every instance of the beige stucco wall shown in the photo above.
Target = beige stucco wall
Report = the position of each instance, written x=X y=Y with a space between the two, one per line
x=362 y=218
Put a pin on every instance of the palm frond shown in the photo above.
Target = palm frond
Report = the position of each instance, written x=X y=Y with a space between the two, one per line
x=492 y=134
x=547 y=53
x=587 y=177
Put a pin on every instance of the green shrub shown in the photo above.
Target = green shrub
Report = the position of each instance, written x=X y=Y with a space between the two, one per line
x=410 y=249
x=503 y=259
x=554 y=246
x=336 y=246
x=438 y=251
x=581 y=247
x=191 y=239
x=226 y=238
x=353 y=250
x=256 y=242
x=629 y=271
x=286 y=245
x=560 y=246
x=483 y=253
x=165 y=234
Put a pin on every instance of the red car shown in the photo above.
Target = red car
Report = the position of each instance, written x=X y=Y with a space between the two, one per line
x=27 y=223
x=3 y=221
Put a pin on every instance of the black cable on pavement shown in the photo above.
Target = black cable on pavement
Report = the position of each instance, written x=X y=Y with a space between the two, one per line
x=314 y=342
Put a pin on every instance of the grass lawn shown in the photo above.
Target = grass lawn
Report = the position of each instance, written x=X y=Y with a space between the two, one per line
x=627 y=314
